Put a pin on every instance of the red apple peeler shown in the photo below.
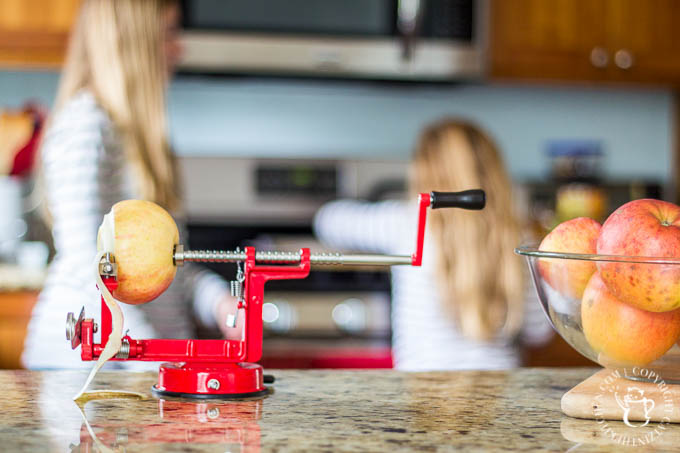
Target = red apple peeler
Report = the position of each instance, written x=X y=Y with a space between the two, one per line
x=226 y=368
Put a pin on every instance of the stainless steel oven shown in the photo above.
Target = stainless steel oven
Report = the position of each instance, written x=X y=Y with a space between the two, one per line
x=388 y=39
x=336 y=317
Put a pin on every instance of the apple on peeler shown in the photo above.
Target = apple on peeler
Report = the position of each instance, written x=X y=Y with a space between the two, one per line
x=144 y=238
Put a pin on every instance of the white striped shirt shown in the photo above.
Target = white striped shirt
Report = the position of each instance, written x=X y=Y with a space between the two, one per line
x=86 y=173
x=424 y=337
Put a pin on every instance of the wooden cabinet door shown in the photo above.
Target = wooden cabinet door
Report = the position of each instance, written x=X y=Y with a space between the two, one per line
x=15 y=313
x=547 y=39
x=35 y=32
x=644 y=40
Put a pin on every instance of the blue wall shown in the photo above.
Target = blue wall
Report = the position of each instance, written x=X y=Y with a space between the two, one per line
x=239 y=117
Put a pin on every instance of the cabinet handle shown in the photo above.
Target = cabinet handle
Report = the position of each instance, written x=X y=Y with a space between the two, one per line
x=599 y=57
x=623 y=59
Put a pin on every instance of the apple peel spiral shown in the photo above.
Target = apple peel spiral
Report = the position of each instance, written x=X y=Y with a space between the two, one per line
x=142 y=236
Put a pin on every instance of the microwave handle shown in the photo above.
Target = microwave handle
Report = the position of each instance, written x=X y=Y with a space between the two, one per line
x=408 y=19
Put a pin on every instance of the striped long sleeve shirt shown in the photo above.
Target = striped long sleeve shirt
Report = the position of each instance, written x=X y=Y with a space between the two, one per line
x=85 y=173
x=424 y=337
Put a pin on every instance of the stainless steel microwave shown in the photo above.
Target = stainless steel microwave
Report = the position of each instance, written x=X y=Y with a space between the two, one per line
x=376 y=39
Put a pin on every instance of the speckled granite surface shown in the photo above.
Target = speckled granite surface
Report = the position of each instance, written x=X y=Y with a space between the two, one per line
x=309 y=411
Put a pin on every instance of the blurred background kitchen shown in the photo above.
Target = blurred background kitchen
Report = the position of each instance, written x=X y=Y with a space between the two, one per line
x=281 y=106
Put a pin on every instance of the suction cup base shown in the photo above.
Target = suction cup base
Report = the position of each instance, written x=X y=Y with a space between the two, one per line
x=207 y=396
x=210 y=380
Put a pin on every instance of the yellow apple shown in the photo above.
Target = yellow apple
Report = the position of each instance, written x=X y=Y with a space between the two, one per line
x=623 y=333
x=144 y=238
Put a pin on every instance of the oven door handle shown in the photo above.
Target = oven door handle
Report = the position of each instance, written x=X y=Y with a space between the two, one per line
x=409 y=13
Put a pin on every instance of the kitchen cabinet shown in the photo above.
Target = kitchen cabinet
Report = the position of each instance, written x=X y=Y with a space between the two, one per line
x=555 y=353
x=586 y=40
x=645 y=40
x=34 y=33
x=15 y=312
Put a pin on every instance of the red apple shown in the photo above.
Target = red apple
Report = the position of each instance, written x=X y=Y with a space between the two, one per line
x=145 y=236
x=649 y=228
x=569 y=277
x=624 y=334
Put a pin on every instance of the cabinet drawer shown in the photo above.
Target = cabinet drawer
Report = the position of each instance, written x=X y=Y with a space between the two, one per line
x=15 y=313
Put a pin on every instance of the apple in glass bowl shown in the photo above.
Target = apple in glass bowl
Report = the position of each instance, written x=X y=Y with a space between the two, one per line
x=625 y=315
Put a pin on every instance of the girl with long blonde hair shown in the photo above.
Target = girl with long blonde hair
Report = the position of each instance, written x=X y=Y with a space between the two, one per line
x=467 y=305
x=106 y=141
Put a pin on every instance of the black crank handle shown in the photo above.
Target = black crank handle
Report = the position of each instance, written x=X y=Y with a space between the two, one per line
x=468 y=199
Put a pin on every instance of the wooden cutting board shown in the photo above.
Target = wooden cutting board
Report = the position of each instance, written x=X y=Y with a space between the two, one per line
x=590 y=432
x=607 y=395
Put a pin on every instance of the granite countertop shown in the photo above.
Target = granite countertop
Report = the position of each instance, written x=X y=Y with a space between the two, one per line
x=308 y=411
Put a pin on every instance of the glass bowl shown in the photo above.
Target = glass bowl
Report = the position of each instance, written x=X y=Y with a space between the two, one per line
x=582 y=308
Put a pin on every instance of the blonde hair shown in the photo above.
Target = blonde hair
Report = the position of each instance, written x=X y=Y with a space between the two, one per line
x=115 y=51
x=479 y=277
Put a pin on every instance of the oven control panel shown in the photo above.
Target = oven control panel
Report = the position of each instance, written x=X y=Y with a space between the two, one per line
x=237 y=191
x=297 y=179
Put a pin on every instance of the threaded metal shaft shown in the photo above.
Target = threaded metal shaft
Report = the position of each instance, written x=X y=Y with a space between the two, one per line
x=331 y=258
x=213 y=256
